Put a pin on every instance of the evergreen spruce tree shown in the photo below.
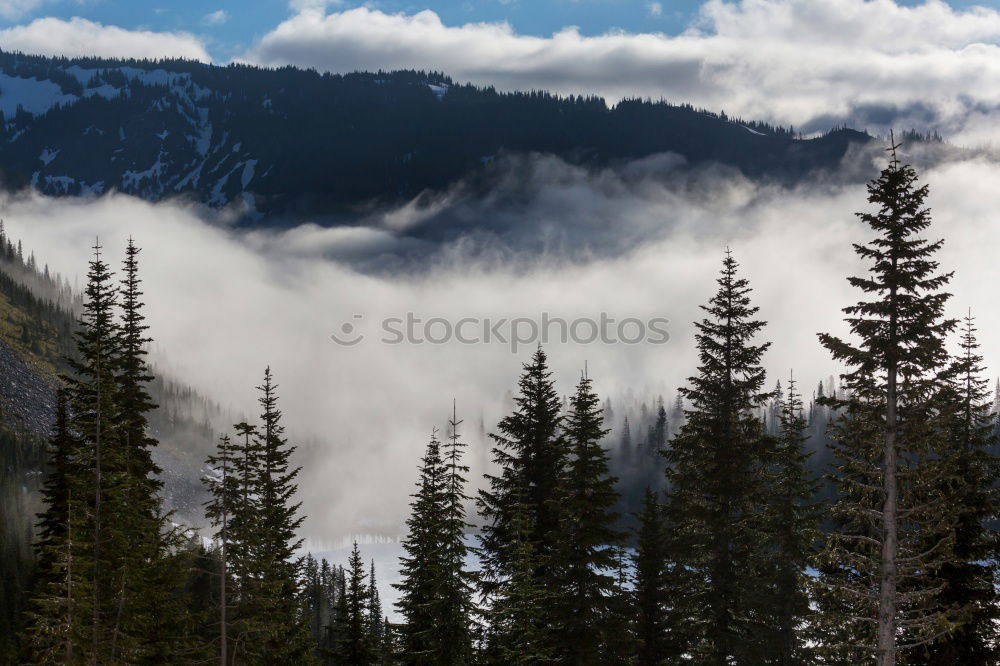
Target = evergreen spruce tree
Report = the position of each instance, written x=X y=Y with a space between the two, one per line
x=436 y=592
x=619 y=644
x=585 y=557
x=275 y=619
x=454 y=606
x=373 y=613
x=244 y=544
x=655 y=644
x=225 y=490
x=57 y=619
x=91 y=405
x=531 y=456
x=968 y=580
x=421 y=568
x=626 y=442
x=892 y=456
x=353 y=646
x=716 y=469
x=149 y=618
x=794 y=530
x=518 y=620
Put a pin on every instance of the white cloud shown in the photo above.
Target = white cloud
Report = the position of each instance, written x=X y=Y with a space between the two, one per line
x=810 y=63
x=218 y=17
x=14 y=9
x=81 y=37
x=655 y=9
x=362 y=413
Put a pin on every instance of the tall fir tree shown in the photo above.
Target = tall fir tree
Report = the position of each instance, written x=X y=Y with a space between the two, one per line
x=353 y=641
x=91 y=402
x=150 y=617
x=889 y=441
x=968 y=580
x=518 y=617
x=531 y=457
x=454 y=605
x=56 y=620
x=655 y=644
x=795 y=520
x=275 y=618
x=437 y=590
x=224 y=487
x=716 y=469
x=585 y=557
x=420 y=567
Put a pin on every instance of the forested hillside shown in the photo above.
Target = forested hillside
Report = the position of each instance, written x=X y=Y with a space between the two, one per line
x=296 y=141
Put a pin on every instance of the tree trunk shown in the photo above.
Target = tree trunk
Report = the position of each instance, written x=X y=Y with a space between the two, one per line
x=890 y=545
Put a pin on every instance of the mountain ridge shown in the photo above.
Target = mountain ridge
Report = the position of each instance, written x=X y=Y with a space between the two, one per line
x=298 y=142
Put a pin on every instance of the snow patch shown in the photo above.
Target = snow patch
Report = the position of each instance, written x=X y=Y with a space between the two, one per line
x=248 y=172
x=34 y=96
x=439 y=89
x=47 y=156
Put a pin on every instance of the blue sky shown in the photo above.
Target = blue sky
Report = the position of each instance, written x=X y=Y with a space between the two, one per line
x=242 y=21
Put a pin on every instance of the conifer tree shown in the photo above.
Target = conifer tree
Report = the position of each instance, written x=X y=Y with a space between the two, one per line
x=421 y=567
x=276 y=617
x=454 y=606
x=57 y=617
x=91 y=403
x=794 y=530
x=654 y=643
x=148 y=618
x=888 y=439
x=373 y=612
x=968 y=580
x=243 y=533
x=518 y=631
x=225 y=490
x=585 y=557
x=531 y=456
x=715 y=467
x=626 y=441
x=353 y=644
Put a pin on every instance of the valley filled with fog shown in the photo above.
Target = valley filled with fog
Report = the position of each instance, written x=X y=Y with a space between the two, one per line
x=642 y=241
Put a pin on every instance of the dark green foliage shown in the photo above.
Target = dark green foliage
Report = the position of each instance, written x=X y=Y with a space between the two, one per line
x=531 y=454
x=716 y=468
x=585 y=557
x=969 y=579
x=794 y=528
x=894 y=460
x=354 y=642
x=436 y=592
x=421 y=568
x=518 y=627
x=58 y=611
x=654 y=642
x=116 y=586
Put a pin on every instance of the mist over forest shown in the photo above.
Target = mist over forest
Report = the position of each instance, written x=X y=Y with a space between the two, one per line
x=490 y=334
x=559 y=239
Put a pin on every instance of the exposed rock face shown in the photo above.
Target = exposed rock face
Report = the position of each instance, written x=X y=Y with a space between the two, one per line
x=25 y=394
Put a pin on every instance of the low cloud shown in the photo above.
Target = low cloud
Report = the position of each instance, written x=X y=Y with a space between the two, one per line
x=808 y=63
x=80 y=37
x=362 y=413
